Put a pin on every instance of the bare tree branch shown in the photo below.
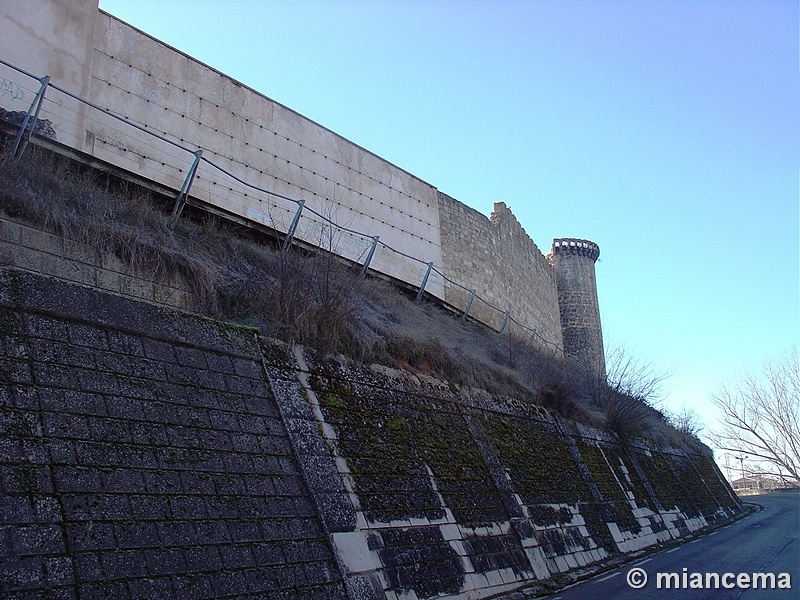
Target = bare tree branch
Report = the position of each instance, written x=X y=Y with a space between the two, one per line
x=761 y=416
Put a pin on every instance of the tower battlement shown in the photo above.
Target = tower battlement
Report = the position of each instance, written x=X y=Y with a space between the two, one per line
x=576 y=246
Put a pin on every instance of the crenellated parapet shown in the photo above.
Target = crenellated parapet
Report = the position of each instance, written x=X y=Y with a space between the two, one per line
x=576 y=246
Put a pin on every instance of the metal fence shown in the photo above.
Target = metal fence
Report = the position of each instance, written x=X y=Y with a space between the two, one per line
x=57 y=113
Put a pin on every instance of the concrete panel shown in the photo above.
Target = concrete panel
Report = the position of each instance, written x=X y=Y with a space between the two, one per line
x=251 y=136
x=31 y=30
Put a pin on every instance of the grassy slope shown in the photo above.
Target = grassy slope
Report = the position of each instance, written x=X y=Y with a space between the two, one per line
x=308 y=298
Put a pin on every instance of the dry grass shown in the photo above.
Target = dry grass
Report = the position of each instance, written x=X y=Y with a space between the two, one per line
x=309 y=298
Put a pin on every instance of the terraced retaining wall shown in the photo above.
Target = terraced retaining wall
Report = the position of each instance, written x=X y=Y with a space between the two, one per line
x=147 y=452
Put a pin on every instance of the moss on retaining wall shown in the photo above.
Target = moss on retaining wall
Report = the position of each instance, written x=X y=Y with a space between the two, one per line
x=604 y=468
x=391 y=444
x=541 y=468
x=390 y=479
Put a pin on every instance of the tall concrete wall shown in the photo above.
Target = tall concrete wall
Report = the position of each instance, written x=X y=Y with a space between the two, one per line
x=165 y=92
x=267 y=145
x=152 y=453
x=51 y=38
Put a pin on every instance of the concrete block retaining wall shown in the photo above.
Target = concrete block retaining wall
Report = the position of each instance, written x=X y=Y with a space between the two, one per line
x=149 y=452
x=144 y=456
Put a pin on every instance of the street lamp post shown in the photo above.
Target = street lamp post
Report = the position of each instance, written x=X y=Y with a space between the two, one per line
x=741 y=460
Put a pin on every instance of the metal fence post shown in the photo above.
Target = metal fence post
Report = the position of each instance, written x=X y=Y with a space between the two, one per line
x=505 y=322
x=293 y=227
x=469 y=304
x=180 y=201
x=369 y=256
x=37 y=103
x=424 y=282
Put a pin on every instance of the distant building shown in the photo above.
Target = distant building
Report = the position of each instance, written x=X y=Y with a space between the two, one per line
x=754 y=484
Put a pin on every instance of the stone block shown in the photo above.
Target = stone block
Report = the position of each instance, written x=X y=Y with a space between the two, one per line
x=172 y=297
x=150 y=508
x=124 y=565
x=81 y=253
x=20 y=574
x=203 y=558
x=190 y=357
x=108 y=280
x=237 y=557
x=86 y=335
x=218 y=363
x=36 y=540
x=194 y=585
x=8 y=253
x=10 y=231
x=159 y=350
x=165 y=562
x=58 y=572
x=149 y=587
x=89 y=567
x=224 y=420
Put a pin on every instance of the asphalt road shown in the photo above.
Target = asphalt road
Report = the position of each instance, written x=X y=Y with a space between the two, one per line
x=765 y=542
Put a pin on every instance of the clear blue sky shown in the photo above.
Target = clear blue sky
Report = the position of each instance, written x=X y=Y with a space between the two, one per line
x=667 y=131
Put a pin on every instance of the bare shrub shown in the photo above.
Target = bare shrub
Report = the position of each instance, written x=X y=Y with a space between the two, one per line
x=686 y=421
x=626 y=416
x=315 y=297
x=627 y=374
x=512 y=350
x=629 y=394
x=427 y=356
x=560 y=386
x=61 y=198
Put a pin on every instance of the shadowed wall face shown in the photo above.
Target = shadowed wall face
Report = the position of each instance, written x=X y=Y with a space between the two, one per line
x=144 y=456
x=577 y=299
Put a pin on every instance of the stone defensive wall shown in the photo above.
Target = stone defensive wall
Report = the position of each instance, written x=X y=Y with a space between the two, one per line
x=260 y=160
x=152 y=453
x=503 y=264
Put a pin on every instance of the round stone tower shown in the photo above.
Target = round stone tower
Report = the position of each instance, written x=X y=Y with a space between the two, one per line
x=573 y=261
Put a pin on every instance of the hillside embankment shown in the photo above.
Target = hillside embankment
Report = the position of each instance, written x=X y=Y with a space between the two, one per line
x=150 y=452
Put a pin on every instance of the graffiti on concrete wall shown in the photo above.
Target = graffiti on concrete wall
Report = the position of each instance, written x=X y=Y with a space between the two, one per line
x=11 y=89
